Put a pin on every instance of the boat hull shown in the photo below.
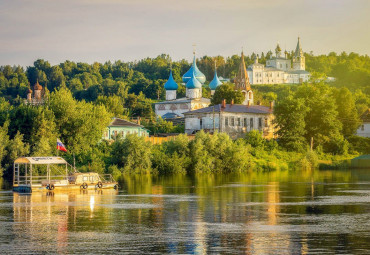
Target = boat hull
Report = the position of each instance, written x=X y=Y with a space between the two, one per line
x=63 y=188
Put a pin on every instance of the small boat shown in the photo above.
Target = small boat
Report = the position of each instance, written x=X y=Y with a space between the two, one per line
x=26 y=178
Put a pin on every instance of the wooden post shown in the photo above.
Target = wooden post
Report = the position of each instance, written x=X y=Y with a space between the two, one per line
x=31 y=175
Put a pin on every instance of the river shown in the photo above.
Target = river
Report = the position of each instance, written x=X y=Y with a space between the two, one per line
x=309 y=212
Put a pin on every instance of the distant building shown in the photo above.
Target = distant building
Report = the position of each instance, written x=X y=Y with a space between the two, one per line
x=120 y=127
x=233 y=119
x=364 y=129
x=279 y=69
x=38 y=96
x=174 y=106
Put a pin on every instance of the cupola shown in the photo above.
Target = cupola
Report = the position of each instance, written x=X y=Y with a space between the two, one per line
x=197 y=73
x=171 y=84
x=215 y=82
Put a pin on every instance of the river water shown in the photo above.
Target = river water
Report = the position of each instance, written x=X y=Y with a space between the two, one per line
x=310 y=212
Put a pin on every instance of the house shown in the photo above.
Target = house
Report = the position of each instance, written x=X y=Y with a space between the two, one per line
x=123 y=127
x=364 y=129
x=233 y=119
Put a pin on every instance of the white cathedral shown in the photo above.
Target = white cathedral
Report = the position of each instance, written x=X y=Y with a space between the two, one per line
x=279 y=69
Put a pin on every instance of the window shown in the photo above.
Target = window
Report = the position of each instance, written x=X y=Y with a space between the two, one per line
x=201 y=123
x=232 y=121
x=245 y=122
x=259 y=123
x=226 y=121
x=239 y=122
x=251 y=123
x=266 y=122
x=362 y=128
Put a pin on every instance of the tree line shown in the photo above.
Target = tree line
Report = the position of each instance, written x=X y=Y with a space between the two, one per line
x=80 y=100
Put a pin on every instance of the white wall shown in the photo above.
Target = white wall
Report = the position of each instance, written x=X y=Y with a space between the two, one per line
x=192 y=123
x=364 y=130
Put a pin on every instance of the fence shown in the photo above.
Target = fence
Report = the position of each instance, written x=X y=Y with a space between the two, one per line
x=161 y=139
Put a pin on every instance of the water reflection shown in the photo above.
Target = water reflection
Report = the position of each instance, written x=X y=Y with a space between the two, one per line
x=323 y=212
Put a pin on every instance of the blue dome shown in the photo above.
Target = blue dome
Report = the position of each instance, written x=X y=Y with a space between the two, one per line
x=215 y=82
x=170 y=84
x=193 y=83
x=198 y=74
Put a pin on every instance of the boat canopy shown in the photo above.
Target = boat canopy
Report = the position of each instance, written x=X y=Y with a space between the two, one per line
x=40 y=160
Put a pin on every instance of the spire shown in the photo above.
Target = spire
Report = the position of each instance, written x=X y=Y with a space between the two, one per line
x=242 y=79
x=298 y=49
x=216 y=81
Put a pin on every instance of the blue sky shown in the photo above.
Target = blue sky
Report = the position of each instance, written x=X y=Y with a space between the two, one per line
x=102 y=30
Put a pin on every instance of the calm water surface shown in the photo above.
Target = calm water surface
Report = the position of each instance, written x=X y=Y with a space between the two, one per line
x=319 y=212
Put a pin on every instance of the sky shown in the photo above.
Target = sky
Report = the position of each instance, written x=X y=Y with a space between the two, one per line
x=127 y=30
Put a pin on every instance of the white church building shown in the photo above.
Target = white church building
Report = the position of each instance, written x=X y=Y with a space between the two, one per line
x=280 y=69
x=174 y=107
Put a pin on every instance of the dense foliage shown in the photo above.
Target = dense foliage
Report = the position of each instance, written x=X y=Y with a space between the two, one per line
x=81 y=98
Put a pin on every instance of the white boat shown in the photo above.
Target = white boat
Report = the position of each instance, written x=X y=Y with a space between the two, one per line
x=60 y=176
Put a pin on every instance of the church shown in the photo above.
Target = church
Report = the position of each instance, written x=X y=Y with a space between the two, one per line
x=233 y=119
x=175 y=107
x=280 y=69
x=37 y=98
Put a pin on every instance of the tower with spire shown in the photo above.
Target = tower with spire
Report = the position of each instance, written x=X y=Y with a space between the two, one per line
x=299 y=62
x=242 y=82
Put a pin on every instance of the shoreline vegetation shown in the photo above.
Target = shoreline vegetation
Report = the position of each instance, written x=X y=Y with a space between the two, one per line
x=80 y=99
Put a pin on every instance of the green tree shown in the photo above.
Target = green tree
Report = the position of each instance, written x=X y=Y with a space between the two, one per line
x=290 y=122
x=347 y=112
x=132 y=153
x=4 y=141
x=228 y=92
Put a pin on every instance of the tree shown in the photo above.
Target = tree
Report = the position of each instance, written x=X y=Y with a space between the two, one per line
x=16 y=148
x=4 y=140
x=291 y=126
x=132 y=153
x=347 y=112
x=321 y=119
x=228 y=92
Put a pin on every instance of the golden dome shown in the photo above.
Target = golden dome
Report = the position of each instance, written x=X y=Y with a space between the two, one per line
x=37 y=86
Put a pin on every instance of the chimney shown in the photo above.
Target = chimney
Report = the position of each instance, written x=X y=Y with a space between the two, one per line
x=272 y=105
x=249 y=103
x=223 y=103
x=232 y=101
